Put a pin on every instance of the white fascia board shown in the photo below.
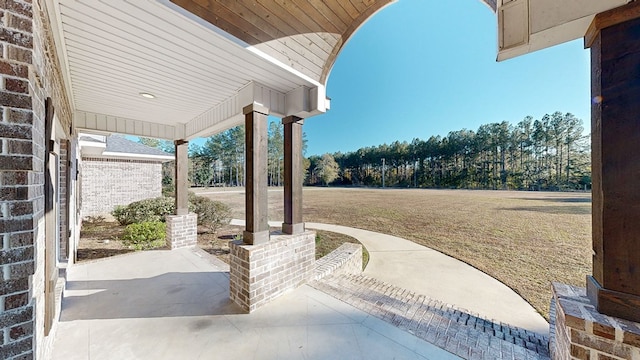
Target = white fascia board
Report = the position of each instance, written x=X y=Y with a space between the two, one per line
x=231 y=122
x=85 y=120
x=120 y=155
x=546 y=23
x=91 y=144
x=550 y=37
x=303 y=102
x=228 y=113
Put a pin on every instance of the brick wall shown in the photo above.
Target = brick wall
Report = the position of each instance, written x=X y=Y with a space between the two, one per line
x=260 y=273
x=347 y=259
x=578 y=331
x=29 y=72
x=182 y=230
x=21 y=180
x=110 y=182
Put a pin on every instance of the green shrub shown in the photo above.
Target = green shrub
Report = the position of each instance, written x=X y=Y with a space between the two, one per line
x=145 y=235
x=211 y=214
x=147 y=210
x=119 y=212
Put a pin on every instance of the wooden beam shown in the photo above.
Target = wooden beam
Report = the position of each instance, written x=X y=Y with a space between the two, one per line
x=609 y=18
x=614 y=286
x=256 y=195
x=292 y=175
x=182 y=177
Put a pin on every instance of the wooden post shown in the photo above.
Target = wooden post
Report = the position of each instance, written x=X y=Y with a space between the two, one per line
x=292 y=175
x=256 y=195
x=614 y=286
x=182 y=177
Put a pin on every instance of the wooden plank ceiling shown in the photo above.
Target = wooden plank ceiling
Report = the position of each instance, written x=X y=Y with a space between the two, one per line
x=306 y=35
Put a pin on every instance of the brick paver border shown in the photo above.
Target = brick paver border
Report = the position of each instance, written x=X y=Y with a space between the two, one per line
x=456 y=330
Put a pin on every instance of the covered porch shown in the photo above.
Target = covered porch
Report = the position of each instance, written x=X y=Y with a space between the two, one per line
x=175 y=70
x=181 y=69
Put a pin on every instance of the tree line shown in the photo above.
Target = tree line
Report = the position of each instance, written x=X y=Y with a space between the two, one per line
x=220 y=160
x=550 y=153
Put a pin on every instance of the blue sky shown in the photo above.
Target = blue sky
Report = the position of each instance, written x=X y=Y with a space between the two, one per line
x=426 y=67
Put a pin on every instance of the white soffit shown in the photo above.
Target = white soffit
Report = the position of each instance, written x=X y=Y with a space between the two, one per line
x=116 y=49
x=525 y=26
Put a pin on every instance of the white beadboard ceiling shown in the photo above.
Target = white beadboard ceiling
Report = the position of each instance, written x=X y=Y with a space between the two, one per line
x=115 y=49
x=201 y=59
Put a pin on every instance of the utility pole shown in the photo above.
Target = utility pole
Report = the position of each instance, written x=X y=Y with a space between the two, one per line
x=383 y=172
x=415 y=174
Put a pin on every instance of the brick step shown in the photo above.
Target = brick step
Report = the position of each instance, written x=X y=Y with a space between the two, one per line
x=456 y=330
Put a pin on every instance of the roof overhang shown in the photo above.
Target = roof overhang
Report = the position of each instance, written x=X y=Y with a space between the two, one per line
x=525 y=26
x=95 y=146
x=202 y=61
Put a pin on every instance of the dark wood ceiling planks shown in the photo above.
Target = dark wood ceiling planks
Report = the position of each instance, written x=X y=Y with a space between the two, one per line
x=304 y=34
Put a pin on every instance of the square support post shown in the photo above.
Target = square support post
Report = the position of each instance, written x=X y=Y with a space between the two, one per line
x=614 y=287
x=182 y=228
x=256 y=196
x=181 y=175
x=292 y=175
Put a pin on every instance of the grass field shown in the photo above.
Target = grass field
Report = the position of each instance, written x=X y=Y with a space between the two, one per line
x=524 y=239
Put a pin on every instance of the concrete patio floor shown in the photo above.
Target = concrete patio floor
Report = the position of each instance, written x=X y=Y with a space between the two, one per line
x=175 y=305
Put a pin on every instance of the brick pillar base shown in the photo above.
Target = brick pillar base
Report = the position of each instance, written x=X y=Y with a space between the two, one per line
x=579 y=331
x=182 y=230
x=260 y=273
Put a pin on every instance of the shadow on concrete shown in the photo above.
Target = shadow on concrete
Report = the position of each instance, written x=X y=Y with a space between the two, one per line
x=168 y=295
x=562 y=199
x=563 y=210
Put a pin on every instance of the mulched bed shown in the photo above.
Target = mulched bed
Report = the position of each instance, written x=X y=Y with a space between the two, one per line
x=100 y=239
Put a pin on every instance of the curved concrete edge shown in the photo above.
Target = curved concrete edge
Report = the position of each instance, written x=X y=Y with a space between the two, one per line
x=423 y=270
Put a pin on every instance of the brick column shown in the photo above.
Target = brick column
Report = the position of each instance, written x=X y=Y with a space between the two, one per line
x=182 y=230
x=261 y=273
x=614 y=287
x=292 y=175
x=256 y=196
x=579 y=331
x=21 y=182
